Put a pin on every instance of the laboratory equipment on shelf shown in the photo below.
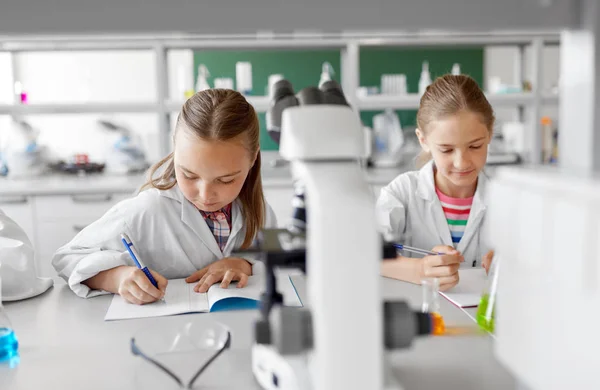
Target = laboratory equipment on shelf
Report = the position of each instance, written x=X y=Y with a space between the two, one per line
x=126 y=154
x=425 y=78
x=202 y=80
x=243 y=77
x=21 y=153
x=388 y=140
x=327 y=73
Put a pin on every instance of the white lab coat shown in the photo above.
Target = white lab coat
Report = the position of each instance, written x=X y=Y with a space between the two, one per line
x=410 y=212
x=169 y=233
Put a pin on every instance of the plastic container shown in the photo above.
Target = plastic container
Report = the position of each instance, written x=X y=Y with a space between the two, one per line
x=425 y=79
x=456 y=69
x=202 y=80
x=243 y=76
x=327 y=73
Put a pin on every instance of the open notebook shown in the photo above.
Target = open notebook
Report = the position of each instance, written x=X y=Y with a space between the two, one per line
x=467 y=292
x=180 y=298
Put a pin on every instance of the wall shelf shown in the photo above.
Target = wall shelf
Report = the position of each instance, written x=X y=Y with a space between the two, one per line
x=77 y=108
x=349 y=44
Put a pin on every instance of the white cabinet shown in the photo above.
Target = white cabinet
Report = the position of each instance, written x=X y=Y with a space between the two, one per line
x=60 y=217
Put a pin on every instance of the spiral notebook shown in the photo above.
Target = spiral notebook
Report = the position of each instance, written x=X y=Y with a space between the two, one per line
x=180 y=298
x=467 y=292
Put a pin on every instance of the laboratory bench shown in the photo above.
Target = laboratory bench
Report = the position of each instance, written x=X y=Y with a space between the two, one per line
x=66 y=344
x=52 y=209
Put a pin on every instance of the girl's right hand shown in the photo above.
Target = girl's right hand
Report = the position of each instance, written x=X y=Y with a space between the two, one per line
x=135 y=287
x=444 y=267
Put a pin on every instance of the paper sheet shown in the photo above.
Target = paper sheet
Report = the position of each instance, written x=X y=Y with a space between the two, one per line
x=467 y=292
x=179 y=298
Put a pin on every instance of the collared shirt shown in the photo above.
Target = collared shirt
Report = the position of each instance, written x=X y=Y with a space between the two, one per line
x=219 y=223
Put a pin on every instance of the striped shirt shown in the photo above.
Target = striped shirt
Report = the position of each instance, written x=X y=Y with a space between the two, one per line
x=457 y=212
x=219 y=223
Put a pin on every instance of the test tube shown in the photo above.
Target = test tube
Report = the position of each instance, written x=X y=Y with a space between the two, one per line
x=486 y=311
x=431 y=305
x=430 y=288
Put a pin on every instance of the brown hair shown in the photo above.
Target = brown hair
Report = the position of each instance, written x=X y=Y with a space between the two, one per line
x=448 y=95
x=220 y=115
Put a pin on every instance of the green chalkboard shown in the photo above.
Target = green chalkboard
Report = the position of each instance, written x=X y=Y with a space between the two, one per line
x=303 y=69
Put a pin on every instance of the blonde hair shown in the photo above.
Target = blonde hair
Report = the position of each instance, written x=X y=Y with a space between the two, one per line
x=448 y=95
x=220 y=115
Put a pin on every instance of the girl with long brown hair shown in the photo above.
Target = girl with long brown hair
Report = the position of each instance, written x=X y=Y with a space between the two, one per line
x=200 y=203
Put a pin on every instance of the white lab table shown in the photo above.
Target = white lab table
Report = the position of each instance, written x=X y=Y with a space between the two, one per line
x=65 y=344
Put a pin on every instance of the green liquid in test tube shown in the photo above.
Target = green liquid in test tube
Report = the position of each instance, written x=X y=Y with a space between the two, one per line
x=486 y=311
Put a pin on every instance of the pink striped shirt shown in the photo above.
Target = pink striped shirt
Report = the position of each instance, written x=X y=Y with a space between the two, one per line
x=457 y=212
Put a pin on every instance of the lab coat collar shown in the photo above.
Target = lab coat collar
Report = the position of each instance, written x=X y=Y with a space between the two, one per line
x=194 y=220
x=478 y=208
x=237 y=224
x=426 y=185
x=426 y=190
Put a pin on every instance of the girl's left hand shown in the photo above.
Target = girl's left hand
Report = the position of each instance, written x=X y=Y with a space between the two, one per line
x=486 y=262
x=225 y=271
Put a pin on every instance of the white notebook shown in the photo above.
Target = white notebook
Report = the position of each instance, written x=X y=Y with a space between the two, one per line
x=467 y=292
x=181 y=298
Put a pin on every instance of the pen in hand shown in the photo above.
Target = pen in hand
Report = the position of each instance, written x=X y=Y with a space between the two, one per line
x=138 y=260
x=416 y=250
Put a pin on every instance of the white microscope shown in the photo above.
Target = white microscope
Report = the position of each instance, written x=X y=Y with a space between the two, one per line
x=308 y=348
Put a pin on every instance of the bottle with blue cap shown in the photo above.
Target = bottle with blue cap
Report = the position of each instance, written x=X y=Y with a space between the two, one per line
x=9 y=346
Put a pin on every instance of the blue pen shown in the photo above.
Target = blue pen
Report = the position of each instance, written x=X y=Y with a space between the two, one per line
x=136 y=258
x=416 y=250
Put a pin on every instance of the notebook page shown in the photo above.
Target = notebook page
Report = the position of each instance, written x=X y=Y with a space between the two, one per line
x=467 y=292
x=178 y=300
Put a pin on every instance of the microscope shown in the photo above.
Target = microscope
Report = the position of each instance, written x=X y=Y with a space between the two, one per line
x=328 y=345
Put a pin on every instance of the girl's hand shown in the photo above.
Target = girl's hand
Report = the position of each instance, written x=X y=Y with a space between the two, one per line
x=225 y=271
x=135 y=287
x=444 y=267
x=486 y=262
